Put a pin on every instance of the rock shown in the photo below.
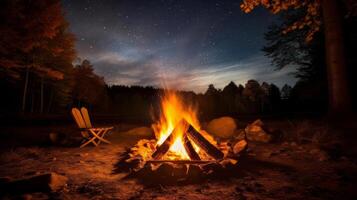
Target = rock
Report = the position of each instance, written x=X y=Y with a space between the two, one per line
x=53 y=137
x=258 y=122
x=50 y=182
x=141 y=131
x=224 y=127
x=239 y=146
x=240 y=134
x=255 y=132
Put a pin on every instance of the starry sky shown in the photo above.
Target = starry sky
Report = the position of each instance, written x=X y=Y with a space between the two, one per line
x=181 y=44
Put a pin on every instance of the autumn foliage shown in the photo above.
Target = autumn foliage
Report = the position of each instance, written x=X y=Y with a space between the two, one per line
x=311 y=19
x=31 y=34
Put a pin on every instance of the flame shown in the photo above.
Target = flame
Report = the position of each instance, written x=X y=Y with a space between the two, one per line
x=173 y=111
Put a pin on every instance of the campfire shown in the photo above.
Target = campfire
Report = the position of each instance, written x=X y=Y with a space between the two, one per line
x=177 y=135
x=180 y=141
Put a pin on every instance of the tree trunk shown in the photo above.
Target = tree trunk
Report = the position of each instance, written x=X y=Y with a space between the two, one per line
x=41 y=100
x=25 y=89
x=339 y=97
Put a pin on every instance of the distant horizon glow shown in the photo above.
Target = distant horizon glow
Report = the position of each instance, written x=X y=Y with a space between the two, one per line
x=186 y=44
x=254 y=68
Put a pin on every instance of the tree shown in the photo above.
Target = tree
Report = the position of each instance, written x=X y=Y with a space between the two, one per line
x=290 y=49
x=254 y=95
x=286 y=91
x=229 y=95
x=253 y=91
x=211 y=90
x=89 y=88
x=265 y=101
x=57 y=56
x=274 y=97
x=210 y=103
x=331 y=16
x=28 y=30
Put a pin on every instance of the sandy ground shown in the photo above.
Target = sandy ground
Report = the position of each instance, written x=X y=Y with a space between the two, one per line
x=270 y=171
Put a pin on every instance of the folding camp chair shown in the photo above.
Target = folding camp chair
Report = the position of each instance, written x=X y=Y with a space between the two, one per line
x=91 y=134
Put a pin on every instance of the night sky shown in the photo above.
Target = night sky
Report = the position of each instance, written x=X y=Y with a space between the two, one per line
x=182 y=44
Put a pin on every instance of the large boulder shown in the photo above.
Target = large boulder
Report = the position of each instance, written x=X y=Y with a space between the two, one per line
x=140 y=131
x=224 y=127
x=255 y=132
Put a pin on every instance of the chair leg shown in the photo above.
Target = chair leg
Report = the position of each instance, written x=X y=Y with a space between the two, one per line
x=102 y=134
x=92 y=140
x=88 y=140
x=99 y=134
x=98 y=137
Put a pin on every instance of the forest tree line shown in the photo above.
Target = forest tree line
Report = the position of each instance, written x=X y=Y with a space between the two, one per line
x=85 y=88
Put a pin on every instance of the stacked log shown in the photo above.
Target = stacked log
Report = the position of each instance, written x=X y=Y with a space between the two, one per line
x=204 y=144
x=163 y=148
x=189 y=148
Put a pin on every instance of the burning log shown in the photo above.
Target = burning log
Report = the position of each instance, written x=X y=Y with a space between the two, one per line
x=189 y=148
x=164 y=147
x=209 y=148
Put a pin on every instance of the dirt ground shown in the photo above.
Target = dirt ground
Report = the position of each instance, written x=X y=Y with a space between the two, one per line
x=283 y=170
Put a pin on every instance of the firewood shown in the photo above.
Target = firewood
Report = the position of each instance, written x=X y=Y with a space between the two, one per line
x=164 y=147
x=204 y=144
x=189 y=148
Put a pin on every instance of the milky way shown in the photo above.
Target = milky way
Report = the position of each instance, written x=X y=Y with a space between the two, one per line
x=181 y=44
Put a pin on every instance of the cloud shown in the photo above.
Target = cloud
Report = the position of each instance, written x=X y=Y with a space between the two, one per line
x=257 y=67
x=152 y=70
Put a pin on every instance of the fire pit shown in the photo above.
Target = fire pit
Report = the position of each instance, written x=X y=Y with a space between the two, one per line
x=180 y=144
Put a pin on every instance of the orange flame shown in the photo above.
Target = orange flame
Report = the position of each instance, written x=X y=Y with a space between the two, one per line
x=173 y=111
